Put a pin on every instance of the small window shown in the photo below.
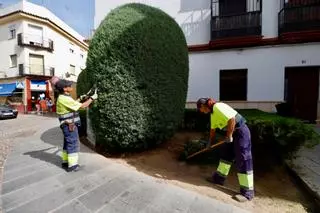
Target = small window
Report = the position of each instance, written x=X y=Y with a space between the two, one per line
x=72 y=70
x=71 y=50
x=12 y=33
x=13 y=61
x=81 y=56
x=233 y=85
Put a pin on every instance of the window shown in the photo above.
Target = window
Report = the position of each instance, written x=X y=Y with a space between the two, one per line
x=71 y=50
x=81 y=56
x=13 y=61
x=72 y=70
x=12 y=33
x=233 y=85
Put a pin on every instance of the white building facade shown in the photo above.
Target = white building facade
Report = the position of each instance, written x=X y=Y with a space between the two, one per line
x=249 y=53
x=35 y=45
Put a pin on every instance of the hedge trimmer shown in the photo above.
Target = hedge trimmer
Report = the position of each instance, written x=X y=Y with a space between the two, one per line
x=206 y=149
x=85 y=97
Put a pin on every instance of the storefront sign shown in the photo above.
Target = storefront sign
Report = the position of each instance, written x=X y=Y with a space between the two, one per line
x=19 y=85
x=38 y=86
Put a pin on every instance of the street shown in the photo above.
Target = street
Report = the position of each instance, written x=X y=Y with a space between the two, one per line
x=34 y=182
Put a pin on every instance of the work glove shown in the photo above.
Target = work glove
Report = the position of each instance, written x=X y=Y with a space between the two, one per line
x=95 y=95
x=228 y=139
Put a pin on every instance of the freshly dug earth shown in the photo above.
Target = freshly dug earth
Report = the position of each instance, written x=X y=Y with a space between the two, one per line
x=276 y=191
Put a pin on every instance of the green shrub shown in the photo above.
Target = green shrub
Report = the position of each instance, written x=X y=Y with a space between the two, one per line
x=83 y=118
x=83 y=84
x=288 y=134
x=138 y=59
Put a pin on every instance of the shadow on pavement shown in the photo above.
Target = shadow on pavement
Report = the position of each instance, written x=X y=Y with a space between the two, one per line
x=54 y=137
x=43 y=155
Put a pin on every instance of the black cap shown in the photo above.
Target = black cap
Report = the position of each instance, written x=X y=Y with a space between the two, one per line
x=201 y=101
x=63 y=84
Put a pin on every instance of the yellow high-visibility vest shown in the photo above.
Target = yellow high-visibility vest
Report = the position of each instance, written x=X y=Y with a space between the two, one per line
x=221 y=114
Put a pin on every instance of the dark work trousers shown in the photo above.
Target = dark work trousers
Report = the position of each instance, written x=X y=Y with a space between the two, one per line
x=240 y=151
x=70 y=146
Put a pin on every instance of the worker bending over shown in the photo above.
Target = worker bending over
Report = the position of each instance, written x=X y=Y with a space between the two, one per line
x=237 y=146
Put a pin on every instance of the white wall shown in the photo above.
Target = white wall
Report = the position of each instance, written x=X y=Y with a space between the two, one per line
x=270 y=10
x=9 y=47
x=193 y=16
x=265 y=66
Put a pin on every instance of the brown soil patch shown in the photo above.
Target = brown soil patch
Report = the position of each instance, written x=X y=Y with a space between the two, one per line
x=276 y=191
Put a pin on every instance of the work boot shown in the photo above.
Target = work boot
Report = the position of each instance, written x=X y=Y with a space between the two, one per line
x=240 y=198
x=73 y=168
x=64 y=165
x=211 y=180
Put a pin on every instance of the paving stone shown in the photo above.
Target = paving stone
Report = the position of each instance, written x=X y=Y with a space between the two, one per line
x=135 y=199
x=102 y=195
x=74 y=207
x=9 y=175
x=30 y=179
x=26 y=194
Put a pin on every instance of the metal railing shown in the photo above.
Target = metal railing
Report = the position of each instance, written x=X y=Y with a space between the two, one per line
x=35 y=69
x=35 y=41
x=299 y=17
x=297 y=3
x=246 y=24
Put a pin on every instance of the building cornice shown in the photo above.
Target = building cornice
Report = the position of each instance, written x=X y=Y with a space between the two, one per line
x=17 y=15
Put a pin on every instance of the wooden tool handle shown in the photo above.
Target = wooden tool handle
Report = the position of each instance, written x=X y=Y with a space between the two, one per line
x=206 y=149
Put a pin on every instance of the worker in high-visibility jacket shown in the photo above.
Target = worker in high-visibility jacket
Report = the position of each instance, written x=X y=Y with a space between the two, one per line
x=69 y=119
x=237 y=146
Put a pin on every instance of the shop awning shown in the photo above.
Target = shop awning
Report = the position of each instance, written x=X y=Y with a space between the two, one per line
x=7 y=89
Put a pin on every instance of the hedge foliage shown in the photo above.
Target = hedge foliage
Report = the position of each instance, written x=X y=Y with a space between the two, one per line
x=282 y=135
x=83 y=84
x=138 y=59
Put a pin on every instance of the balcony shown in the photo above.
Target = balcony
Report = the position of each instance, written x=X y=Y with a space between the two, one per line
x=299 y=16
x=35 y=41
x=247 y=24
x=35 y=69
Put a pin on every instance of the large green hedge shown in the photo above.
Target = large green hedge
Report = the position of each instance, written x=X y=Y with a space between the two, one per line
x=138 y=58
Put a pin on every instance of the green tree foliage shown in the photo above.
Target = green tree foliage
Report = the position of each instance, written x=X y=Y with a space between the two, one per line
x=138 y=58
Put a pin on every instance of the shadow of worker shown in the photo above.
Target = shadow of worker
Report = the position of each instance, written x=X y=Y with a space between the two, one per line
x=49 y=155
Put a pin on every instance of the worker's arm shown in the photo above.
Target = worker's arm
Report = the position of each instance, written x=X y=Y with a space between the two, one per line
x=231 y=127
x=212 y=135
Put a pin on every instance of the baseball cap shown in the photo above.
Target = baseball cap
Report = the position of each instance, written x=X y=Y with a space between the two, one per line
x=63 y=84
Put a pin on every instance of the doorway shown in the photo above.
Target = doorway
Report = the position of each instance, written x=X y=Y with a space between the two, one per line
x=302 y=92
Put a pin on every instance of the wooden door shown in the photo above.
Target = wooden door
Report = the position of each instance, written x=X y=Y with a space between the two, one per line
x=302 y=91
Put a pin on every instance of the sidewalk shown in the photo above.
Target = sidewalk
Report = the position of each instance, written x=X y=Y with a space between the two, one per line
x=34 y=182
x=307 y=167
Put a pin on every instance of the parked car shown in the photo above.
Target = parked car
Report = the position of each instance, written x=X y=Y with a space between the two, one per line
x=7 y=111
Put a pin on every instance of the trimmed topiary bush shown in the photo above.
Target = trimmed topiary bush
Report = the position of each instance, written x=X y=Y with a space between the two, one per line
x=138 y=59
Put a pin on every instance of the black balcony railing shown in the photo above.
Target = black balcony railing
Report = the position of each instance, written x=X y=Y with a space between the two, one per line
x=35 y=41
x=35 y=69
x=246 y=24
x=300 y=15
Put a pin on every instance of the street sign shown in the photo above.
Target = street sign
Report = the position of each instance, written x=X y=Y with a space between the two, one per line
x=19 y=85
